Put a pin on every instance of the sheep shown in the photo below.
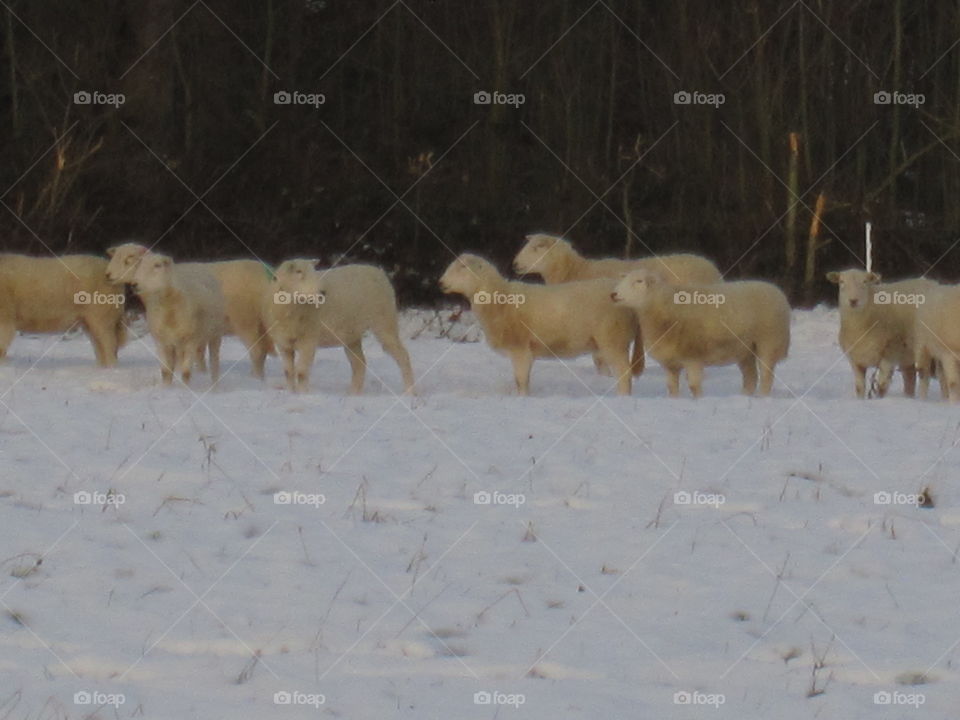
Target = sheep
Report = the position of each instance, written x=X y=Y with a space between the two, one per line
x=937 y=341
x=242 y=282
x=307 y=309
x=877 y=326
x=185 y=313
x=525 y=321
x=556 y=260
x=742 y=322
x=51 y=295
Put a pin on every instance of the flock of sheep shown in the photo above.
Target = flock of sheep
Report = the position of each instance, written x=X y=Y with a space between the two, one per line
x=676 y=307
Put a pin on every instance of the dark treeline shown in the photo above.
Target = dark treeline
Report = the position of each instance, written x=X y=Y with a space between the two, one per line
x=400 y=166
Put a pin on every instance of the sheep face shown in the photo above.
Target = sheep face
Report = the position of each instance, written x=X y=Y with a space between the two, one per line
x=297 y=275
x=855 y=287
x=123 y=262
x=465 y=275
x=635 y=288
x=535 y=254
x=154 y=273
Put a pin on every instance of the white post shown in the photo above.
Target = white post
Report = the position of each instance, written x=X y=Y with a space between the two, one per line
x=869 y=227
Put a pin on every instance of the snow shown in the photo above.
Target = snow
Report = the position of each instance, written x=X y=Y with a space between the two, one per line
x=584 y=588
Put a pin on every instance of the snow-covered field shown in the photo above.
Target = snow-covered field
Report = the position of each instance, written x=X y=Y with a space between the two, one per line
x=386 y=587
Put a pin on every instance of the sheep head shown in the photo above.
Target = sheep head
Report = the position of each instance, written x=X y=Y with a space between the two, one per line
x=855 y=287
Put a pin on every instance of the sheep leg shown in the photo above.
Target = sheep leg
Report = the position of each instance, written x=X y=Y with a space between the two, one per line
x=622 y=371
x=767 y=365
x=951 y=378
x=942 y=379
x=909 y=373
x=639 y=359
x=258 y=350
x=673 y=380
x=97 y=345
x=104 y=341
x=306 y=351
x=601 y=365
x=859 y=378
x=253 y=341
x=200 y=359
x=288 y=357
x=7 y=332
x=695 y=378
x=884 y=376
x=522 y=362
x=214 y=348
x=358 y=366
x=110 y=337
x=188 y=356
x=748 y=369
x=168 y=359
x=390 y=342
x=924 y=366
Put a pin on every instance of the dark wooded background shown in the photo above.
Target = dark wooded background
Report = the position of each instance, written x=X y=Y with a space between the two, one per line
x=201 y=158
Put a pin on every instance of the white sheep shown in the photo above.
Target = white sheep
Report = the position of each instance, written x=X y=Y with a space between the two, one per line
x=937 y=341
x=526 y=321
x=309 y=308
x=692 y=326
x=243 y=284
x=51 y=295
x=557 y=261
x=878 y=326
x=185 y=313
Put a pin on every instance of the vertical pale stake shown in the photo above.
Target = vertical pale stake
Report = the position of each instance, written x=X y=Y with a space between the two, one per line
x=868 y=228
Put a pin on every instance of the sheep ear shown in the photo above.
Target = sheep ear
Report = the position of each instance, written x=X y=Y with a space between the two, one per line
x=142 y=250
x=833 y=277
x=111 y=251
x=873 y=277
x=315 y=262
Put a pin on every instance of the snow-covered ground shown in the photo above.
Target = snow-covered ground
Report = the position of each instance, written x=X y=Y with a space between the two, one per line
x=386 y=587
